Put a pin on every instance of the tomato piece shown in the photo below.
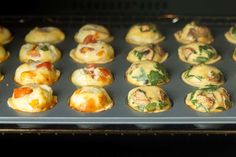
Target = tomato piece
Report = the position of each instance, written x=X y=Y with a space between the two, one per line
x=47 y=65
x=86 y=49
x=91 y=106
x=34 y=53
x=20 y=92
x=104 y=71
x=90 y=39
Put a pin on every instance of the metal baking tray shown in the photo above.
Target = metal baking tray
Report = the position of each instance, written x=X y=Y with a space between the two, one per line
x=118 y=90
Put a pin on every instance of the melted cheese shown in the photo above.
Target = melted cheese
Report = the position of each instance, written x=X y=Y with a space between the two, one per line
x=38 y=100
x=42 y=52
x=100 y=33
x=93 y=53
x=210 y=99
x=231 y=35
x=142 y=34
x=149 y=99
x=90 y=99
x=196 y=53
x=51 y=35
x=203 y=75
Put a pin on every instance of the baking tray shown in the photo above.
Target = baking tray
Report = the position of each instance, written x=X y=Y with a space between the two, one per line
x=118 y=90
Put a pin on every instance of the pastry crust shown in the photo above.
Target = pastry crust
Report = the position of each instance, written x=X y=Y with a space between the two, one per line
x=92 y=76
x=147 y=52
x=36 y=72
x=203 y=75
x=209 y=99
x=149 y=99
x=194 y=33
x=42 y=52
x=5 y=35
x=32 y=98
x=231 y=35
x=147 y=73
x=4 y=55
x=197 y=53
x=142 y=34
x=90 y=99
x=51 y=35
x=93 y=53
x=91 y=33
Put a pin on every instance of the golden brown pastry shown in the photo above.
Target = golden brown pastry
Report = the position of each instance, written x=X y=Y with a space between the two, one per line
x=142 y=34
x=92 y=75
x=93 y=53
x=51 y=35
x=209 y=99
x=147 y=73
x=42 y=52
x=90 y=33
x=151 y=99
x=234 y=55
x=231 y=35
x=90 y=99
x=194 y=33
x=36 y=72
x=147 y=52
x=3 y=54
x=5 y=35
x=32 y=98
x=197 y=53
x=203 y=75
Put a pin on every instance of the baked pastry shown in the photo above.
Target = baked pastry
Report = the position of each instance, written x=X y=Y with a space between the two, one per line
x=90 y=33
x=36 y=72
x=42 y=52
x=231 y=35
x=142 y=34
x=3 y=54
x=194 y=33
x=209 y=99
x=147 y=52
x=5 y=35
x=202 y=75
x=147 y=73
x=32 y=98
x=196 y=53
x=51 y=35
x=92 y=75
x=90 y=99
x=1 y=77
x=149 y=99
x=234 y=55
x=93 y=53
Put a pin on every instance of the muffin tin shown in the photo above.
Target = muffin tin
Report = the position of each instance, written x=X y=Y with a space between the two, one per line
x=118 y=90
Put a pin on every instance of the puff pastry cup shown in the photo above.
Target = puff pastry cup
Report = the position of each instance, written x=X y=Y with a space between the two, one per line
x=51 y=35
x=147 y=52
x=231 y=35
x=41 y=52
x=203 y=75
x=147 y=73
x=90 y=99
x=149 y=99
x=32 y=98
x=5 y=35
x=209 y=99
x=142 y=34
x=36 y=72
x=3 y=54
x=194 y=33
x=92 y=33
x=93 y=53
x=92 y=76
x=197 y=53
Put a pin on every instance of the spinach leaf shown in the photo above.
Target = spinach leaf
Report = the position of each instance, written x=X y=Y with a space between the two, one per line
x=234 y=31
x=154 y=77
x=151 y=106
x=210 y=88
x=139 y=54
x=199 y=105
x=201 y=59
x=221 y=108
x=44 y=48
x=207 y=49
x=140 y=108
